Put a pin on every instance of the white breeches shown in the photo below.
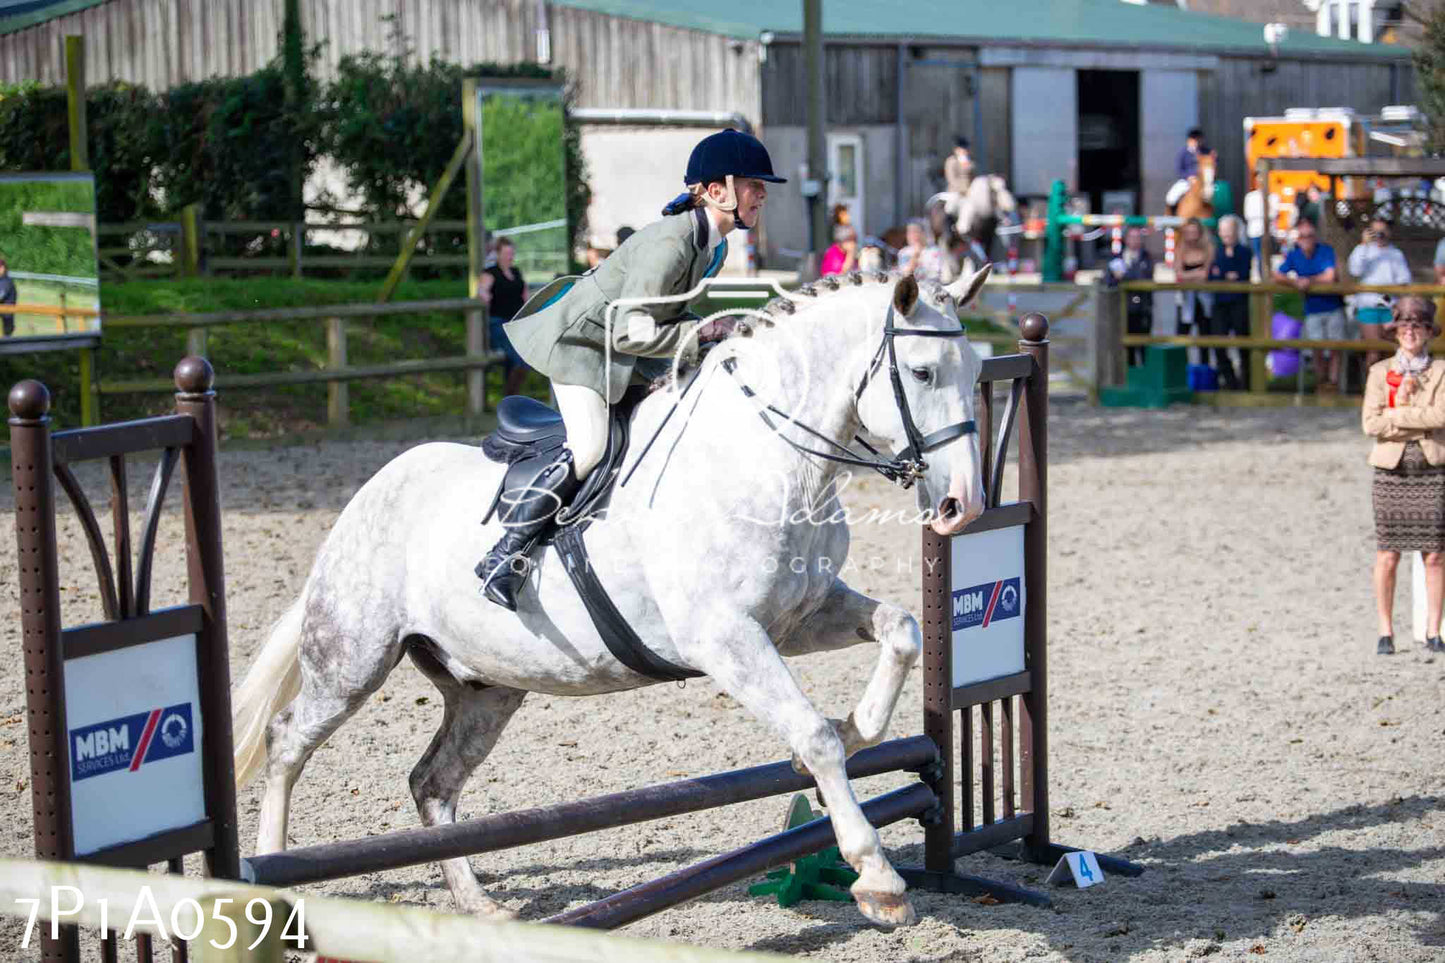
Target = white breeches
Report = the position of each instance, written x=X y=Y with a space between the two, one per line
x=585 y=414
x=1177 y=192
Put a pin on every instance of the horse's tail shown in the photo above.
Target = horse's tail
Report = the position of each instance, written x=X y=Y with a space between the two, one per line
x=270 y=685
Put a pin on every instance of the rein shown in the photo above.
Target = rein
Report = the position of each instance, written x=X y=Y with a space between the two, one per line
x=908 y=465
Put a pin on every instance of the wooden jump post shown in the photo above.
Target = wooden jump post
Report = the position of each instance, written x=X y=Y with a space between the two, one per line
x=991 y=686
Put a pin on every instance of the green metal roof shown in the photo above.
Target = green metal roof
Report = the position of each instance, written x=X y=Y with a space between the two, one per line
x=19 y=21
x=1109 y=23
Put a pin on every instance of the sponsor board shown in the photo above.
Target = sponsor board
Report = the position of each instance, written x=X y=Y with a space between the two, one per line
x=987 y=599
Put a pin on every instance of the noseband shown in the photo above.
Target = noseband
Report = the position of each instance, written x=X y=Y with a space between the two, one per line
x=908 y=465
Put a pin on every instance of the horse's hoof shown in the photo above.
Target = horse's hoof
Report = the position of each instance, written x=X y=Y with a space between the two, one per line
x=886 y=909
x=800 y=767
x=489 y=911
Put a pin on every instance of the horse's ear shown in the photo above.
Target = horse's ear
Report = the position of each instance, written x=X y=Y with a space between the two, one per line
x=905 y=295
x=966 y=288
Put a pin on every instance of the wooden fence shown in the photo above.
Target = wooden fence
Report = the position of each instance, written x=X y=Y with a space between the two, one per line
x=228 y=922
x=138 y=250
x=337 y=372
x=1110 y=341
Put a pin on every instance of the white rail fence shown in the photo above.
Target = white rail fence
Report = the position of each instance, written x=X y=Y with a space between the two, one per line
x=226 y=922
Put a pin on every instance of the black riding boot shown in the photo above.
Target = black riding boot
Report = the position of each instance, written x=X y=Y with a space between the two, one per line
x=526 y=520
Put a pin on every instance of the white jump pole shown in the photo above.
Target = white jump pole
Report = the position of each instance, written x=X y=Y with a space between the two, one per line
x=1419 y=598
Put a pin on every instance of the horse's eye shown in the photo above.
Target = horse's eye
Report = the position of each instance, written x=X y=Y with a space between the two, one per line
x=922 y=375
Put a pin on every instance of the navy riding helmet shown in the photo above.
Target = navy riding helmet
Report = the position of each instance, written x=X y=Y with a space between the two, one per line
x=730 y=152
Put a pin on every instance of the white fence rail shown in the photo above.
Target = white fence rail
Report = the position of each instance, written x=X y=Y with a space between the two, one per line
x=222 y=919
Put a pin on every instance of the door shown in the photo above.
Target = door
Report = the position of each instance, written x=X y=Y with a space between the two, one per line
x=1045 y=129
x=845 y=186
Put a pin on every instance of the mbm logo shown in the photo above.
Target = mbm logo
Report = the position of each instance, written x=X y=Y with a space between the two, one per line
x=983 y=605
x=131 y=741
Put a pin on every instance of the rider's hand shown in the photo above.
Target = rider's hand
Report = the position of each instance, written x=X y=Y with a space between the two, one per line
x=716 y=329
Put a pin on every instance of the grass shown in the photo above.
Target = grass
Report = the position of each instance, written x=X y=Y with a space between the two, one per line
x=129 y=353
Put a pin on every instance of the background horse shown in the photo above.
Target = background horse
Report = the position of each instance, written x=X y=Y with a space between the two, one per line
x=988 y=205
x=721 y=552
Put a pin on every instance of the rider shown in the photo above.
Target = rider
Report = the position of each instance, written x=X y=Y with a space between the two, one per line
x=958 y=176
x=1188 y=166
x=564 y=330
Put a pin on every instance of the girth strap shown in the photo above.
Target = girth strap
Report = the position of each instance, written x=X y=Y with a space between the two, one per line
x=616 y=633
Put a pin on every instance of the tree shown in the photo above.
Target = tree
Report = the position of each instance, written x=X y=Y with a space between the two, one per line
x=1430 y=75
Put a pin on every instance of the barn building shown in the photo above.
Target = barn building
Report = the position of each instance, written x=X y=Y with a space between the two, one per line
x=1098 y=92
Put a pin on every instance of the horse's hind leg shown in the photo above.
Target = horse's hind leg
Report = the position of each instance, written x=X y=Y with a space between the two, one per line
x=471 y=724
x=340 y=669
x=844 y=619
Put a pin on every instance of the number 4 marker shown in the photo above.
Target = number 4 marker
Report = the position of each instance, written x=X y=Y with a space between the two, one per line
x=1081 y=867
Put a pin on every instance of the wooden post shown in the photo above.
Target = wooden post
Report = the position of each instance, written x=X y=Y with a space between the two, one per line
x=190 y=259
x=476 y=377
x=1260 y=303
x=816 y=116
x=338 y=394
x=298 y=242
x=89 y=397
x=477 y=322
x=75 y=97
x=1108 y=354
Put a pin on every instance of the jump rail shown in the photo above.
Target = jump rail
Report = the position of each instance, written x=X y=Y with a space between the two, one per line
x=966 y=805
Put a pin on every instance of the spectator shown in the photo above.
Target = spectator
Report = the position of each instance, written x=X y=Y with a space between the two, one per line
x=921 y=258
x=1376 y=261
x=1404 y=411
x=842 y=257
x=8 y=295
x=1134 y=264
x=1186 y=166
x=841 y=216
x=1255 y=222
x=597 y=251
x=507 y=292
x=1309 y=263
x=1311 y=204
x=1231 y=308
x=1192 y=258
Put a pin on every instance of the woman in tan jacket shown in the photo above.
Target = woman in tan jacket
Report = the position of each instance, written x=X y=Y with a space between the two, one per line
x=1405 y=413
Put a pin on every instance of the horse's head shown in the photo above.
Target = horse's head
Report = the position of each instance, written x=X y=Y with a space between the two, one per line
x=1003 y=199
x=1206 y=173
x=937 y=376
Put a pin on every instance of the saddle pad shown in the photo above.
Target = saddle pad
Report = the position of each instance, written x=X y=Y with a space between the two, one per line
x=616 y=634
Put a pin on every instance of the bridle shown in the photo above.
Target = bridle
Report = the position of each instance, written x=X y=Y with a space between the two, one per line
x=908 y=465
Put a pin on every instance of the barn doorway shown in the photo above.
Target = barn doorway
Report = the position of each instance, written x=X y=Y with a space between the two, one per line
x=1109 y=140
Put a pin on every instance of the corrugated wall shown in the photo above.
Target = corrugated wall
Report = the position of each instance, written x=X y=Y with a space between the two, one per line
x=1239 y=89
x=617 y=62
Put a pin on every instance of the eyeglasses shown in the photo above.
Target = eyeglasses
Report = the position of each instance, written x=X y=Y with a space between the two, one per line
x=1416 y=324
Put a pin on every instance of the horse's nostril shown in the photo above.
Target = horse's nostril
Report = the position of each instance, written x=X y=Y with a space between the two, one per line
x=950 y=509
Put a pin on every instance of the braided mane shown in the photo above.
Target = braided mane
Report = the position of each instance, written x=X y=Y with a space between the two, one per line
x=785 y=306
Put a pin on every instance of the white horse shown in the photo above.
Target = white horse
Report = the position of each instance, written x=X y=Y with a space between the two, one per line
x=721 y=552
x=974 y=216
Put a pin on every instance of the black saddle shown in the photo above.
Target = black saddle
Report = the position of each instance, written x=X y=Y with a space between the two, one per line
x=526 y=421
x=530 y=436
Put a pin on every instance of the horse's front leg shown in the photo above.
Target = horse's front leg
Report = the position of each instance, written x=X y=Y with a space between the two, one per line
x=847 y=618
x=732 y=648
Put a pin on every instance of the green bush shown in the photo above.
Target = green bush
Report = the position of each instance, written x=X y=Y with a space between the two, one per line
x=230 y=144
x=393 y=125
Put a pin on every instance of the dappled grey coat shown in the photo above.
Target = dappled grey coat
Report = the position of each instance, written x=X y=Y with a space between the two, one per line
x=562 y=330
